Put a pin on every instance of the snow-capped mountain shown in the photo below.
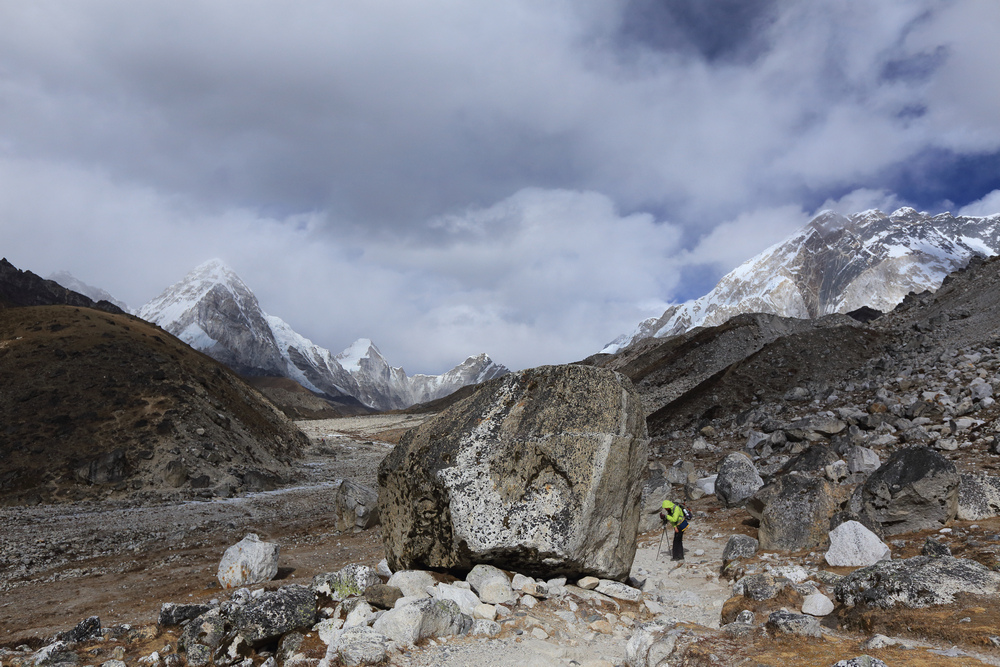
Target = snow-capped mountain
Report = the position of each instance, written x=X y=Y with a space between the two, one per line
x=69 y=281
x=214 y=311
x=836 y=264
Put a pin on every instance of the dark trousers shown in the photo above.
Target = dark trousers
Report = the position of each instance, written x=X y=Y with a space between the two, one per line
x=678 y=553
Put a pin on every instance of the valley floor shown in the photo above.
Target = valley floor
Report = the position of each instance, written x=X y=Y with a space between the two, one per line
x=119 y=561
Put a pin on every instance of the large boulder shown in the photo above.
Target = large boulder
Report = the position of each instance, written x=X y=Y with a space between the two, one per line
x=853 y=545
x=797 y=513
x=920 y=581
x=537 y=472
x=916 y=489
x=249 y=561
x=737 y=480
x=978 y=497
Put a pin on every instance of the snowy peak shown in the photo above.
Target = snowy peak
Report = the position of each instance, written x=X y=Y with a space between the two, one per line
x=360 y=350
x=214 y=311
x=836 y=264
x=70 y=282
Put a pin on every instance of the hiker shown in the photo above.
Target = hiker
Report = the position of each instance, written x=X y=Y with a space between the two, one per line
x=673 y=514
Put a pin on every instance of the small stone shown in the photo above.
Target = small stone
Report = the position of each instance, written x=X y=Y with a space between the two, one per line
x=588 y=583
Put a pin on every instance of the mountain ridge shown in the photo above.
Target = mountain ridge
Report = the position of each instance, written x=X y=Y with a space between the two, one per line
x=836 y=264
x=213 y=310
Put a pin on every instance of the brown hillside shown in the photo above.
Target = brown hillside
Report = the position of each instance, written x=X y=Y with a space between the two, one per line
x=98 y=404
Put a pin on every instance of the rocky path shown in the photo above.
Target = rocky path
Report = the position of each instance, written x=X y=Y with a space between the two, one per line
x=690 y=594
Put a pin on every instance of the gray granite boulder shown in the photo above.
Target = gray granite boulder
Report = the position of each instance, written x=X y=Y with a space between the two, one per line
x=268 y=616
x=538 y=472
x=788 y=623
x=739 y=546
x=797 y=512
x=737 y=480
x=355 y=506
x=915 y=489
x=362 y=645
x=978 y=497
x=920 y=581
x=862 y=460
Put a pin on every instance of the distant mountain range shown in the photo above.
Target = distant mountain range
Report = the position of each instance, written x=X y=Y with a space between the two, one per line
x=214 y=311
x=836 y=264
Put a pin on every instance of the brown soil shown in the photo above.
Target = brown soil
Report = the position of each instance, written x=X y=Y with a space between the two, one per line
x=105 y=402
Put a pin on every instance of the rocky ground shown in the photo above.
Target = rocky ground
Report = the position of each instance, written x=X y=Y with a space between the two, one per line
x=61 y=564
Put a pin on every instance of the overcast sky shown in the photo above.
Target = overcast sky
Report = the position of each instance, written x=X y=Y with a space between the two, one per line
x=528 y=178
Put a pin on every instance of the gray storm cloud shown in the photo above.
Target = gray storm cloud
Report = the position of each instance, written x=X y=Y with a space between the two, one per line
x=524 y=178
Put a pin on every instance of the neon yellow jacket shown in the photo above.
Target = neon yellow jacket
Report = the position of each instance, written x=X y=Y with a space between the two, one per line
x=673 y=512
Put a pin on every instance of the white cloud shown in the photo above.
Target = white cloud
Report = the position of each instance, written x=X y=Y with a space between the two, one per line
x=449 y=177
x=988 y=205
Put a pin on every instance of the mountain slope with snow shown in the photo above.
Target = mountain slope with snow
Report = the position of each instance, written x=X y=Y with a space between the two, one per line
x=836 y=264
x=214 y=311
x=71 y=282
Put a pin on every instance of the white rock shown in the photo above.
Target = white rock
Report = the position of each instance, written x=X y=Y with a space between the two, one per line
x=618 y=590
x=383 y=569
x=412 y=582
x=520 y=581
x=362 y=646
x=362 y=614
x=486 y=611
x=249 y=561
x=466 y=600
x=588 y=583
x=491 y=584
x=853 y=545
x=528 y=601
x=482 y=626
x=329 y=630
x=707 y=485
x=794 y=573
x=817 y=604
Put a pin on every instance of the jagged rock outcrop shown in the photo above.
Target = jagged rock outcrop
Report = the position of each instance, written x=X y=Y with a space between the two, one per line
x=539 y=471
x=915 y=489
x=24 y=288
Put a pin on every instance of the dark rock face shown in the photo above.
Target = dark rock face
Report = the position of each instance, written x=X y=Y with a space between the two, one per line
x=915 y=489
x=921 y=581
x=539 y=472
x=814 y=459
x=24 y=288
x=797 y=512
x=174 y=614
